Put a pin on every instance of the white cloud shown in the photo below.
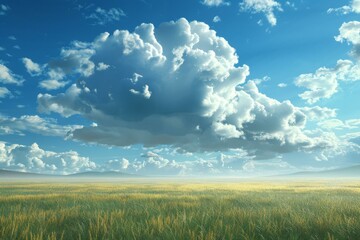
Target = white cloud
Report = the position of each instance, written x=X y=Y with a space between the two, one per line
x=4 y=92
x=350 y=32
x=52 y=84
x=275 y=166
x=337 y=124
x=318 y=113
x=4 y=9
x=215 y=3
x=124 y=163
x=194 y=96
x=216 y=19
x=324 y=82
x=73 y=63
x=226 y=130
x=103 y=16
x=7 y=77
x=102 y=66
x=231 y=163
x=77 y=58
x=146 y=93
x=117 y=165
x=32 y=68
x=259 y=81
x=291 y=4
x=34 y=124
x=34 y=159
x=282 y=85
x=354 y=7
x=266 y=7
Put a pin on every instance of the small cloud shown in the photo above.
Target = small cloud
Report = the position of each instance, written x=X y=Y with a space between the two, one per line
x=7 y=77
x=2 y=49
x=266 y=7
x=146 y=92
x=17 y=47
x=52 y=84
x=32 y=68
x=318 y=113
x=258 y=81
x=354 y=7
x=215 y=3
x=350 y=33
x=332 y=124
x=324 y=82
x=4 y=92
x=290 y=4
x=135 y=78
x=282 y=85
x=102 y=66
x=103 y=16
x=125 y=163
x=216 y=19
x=4 y=9
x=12 y=38
x=34 y=124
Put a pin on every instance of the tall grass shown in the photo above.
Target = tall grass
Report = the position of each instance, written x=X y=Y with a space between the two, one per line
x=180 y=211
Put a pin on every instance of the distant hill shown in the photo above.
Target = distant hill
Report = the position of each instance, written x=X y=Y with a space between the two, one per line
x=110 y=174
x=15 y=174
x=351 y=172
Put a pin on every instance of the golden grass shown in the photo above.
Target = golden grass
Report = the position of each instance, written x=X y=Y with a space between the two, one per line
x=294 y=210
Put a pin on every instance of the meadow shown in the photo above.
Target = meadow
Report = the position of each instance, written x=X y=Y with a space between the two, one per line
x=180 y=210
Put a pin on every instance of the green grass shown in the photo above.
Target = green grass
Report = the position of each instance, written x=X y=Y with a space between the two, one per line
x=180 y=211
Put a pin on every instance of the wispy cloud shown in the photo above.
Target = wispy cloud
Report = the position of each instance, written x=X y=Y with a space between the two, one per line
x=103 y=16
x=52 y=84
x=354 y=7
x=216 y=19
x=4 y=9
x=8 y=77
x=4 y=92
x=267 y=7
x=32 y=68
x=216 y=3
x=34 y=124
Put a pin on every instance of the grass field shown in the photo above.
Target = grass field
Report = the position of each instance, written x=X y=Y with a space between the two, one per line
x=156 y=210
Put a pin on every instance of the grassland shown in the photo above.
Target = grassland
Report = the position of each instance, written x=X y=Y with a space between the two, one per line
x=156 y=210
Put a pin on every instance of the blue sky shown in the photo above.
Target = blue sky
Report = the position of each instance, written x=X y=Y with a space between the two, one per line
x=213 y=87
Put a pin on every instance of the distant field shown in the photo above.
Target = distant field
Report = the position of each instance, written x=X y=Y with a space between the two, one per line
x=180 y=210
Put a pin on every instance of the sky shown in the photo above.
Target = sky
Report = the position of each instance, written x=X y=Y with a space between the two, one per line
x=179 y=88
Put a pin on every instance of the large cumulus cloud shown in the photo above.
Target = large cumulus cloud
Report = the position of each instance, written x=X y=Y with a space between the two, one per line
x=178 y=84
